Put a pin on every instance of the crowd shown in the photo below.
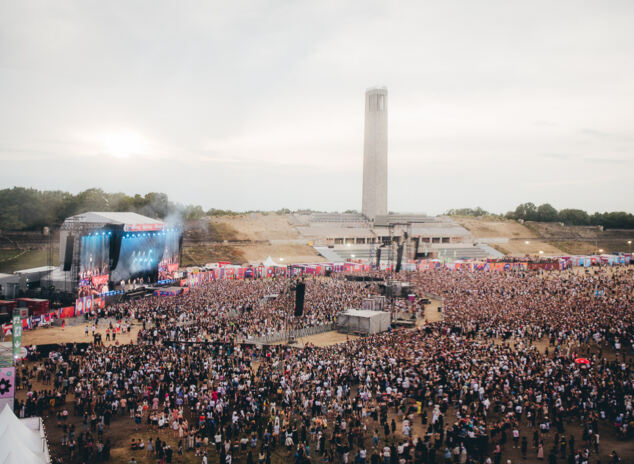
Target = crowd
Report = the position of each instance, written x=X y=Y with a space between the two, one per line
x=561 y=305
x=237 y=310
x=469 y=389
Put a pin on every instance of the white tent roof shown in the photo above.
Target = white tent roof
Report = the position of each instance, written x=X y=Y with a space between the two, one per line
x=18 y=443
x=268 y=262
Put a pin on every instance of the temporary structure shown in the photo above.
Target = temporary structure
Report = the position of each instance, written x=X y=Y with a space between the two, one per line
x=20 y=443
x=268 y=262
x=363 y=321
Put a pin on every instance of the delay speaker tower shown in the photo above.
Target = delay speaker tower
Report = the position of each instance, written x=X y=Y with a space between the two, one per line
x=299 y=299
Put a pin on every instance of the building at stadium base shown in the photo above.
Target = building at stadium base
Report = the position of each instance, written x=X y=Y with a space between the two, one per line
x=102 y=252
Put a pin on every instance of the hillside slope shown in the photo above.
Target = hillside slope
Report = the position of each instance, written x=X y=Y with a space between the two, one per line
x=552 y=238
x=583 y=239
x=245 y=238
x=509 y=237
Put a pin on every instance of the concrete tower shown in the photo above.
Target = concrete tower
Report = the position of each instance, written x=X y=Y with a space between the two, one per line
x=375 y=154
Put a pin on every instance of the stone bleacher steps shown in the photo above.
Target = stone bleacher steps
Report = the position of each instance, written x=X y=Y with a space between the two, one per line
x=480 y=251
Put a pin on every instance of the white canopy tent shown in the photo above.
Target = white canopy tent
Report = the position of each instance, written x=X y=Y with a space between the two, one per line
x=268 y=262
x=21 y=443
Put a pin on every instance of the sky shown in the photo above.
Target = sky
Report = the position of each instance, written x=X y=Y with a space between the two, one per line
x=249 y=105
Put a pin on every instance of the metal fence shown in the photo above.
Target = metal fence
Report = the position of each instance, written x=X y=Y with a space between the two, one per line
x=288 y=334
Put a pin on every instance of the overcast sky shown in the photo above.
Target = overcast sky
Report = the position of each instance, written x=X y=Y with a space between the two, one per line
x=259 y=104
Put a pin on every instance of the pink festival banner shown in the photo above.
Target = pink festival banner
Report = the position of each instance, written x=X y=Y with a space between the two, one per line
x=7 y=382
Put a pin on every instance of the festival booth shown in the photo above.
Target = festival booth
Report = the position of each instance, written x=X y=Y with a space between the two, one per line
x=37 y=306
x=88 y=304
x=356 y=267
x=546 y=264
x=595 y=260
x=428 y=264
x=273 y=269
x=614 y=260
x=7 y=307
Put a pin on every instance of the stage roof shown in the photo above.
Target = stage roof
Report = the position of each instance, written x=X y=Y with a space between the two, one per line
x=132 y=222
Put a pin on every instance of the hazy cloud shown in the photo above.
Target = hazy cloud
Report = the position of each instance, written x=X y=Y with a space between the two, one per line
x=259 y=104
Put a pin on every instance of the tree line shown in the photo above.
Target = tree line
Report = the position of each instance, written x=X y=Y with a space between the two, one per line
x=27 y=209
x=548 y=213
x=31 y=209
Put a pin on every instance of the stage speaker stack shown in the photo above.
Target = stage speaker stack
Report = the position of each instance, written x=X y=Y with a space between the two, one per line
x=399 y=258
x=299 y=299
x=68 y=254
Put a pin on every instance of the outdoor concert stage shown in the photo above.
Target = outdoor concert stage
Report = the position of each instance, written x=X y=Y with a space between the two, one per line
x=104 y=252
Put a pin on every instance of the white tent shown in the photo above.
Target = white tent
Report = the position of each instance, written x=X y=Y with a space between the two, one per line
x=20 y=443
x=268 y=262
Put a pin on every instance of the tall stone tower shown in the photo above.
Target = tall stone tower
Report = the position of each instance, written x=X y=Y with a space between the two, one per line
x=375 y=154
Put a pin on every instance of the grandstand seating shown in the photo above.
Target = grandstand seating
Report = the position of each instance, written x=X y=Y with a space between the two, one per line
x=368 y=253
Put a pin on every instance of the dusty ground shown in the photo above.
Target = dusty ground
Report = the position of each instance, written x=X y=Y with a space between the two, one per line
x=258 y=226
x=75 y=332
x=325 y=339
x=291 y=253
x=247 y=241
x=431 y=312
x=516 y=233
x=199 y=255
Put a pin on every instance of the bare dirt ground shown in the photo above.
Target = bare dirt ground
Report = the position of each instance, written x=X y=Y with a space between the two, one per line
x=200 y=255
x=325 y=339
x=258 y=226
x=516 y=233
x=245 y=239
x=291 y=253
x=75 y=332
x=431 y=312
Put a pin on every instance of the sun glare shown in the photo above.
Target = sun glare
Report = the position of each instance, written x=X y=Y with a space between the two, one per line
x=123 y=144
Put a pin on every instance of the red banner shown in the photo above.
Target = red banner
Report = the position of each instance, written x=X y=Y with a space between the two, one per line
x=100 y=280
x=68 y=311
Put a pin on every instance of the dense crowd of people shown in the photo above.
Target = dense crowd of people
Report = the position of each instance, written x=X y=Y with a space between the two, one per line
x=561 y=305
x=498 y=373
x=237 y=310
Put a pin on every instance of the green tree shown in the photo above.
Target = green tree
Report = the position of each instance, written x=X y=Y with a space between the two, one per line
x=526 y=211
x=477 y=211
x=546 y=213
x=576 y=217
x=193 y=212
